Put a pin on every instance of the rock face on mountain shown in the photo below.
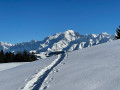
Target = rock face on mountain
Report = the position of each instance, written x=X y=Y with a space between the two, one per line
x=67 y=41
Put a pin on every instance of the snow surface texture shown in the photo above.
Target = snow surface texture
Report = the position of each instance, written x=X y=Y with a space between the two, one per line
x=67 y=41
x=93 y=68
x=36 y=82
x=6 y=66
x=16 y=78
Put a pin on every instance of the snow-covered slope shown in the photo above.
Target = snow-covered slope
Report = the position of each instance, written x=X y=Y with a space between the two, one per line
x=6 y=66
x=15 y=78
x=66 y=41
x=93 y=68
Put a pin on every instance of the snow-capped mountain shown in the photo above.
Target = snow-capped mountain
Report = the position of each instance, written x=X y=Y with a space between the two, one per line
x=94 y=68
x=4 y=46
x=66 y=41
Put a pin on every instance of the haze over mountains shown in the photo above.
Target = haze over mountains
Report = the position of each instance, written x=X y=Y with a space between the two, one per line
x=66 y=41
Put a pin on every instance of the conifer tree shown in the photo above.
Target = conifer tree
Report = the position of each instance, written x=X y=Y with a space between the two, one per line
x=33 y=57
x=11 y=57
x=25 y=56
x=7 y=57
x=2 y=56
x=118 y=33
x=19 y=57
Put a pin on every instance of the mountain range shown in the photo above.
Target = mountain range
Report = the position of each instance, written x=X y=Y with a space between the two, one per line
x=67 y=41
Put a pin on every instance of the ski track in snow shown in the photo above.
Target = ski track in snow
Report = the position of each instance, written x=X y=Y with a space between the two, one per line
x=37 y=80
x=50 y=77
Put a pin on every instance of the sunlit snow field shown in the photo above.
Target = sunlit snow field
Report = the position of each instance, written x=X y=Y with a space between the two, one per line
x=92 y=68
x=6 y=66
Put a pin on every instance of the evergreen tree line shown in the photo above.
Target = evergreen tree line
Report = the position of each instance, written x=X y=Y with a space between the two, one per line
x=18 y=57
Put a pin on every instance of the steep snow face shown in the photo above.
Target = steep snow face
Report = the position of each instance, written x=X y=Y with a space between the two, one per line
x=67 y=41
x=71 y=35
x=4 y=46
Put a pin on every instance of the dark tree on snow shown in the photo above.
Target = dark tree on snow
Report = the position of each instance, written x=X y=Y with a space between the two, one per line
x=118 y=33
x=18 y=57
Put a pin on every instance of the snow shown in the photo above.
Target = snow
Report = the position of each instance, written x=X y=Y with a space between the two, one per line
x=66 y=41
x=17 y=77
x=6 y=66
x=92 y=68
x=5 y=46
x=37 y=80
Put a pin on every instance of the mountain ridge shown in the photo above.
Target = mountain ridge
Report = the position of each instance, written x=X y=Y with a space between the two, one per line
x=67 y=41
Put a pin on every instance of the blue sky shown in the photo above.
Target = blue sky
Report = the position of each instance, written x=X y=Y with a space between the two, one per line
x=24 y=20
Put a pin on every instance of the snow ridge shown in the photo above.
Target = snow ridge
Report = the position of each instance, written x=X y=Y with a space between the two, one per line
x=36 y=82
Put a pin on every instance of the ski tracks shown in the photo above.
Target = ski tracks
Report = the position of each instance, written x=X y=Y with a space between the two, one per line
x=37 y=80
